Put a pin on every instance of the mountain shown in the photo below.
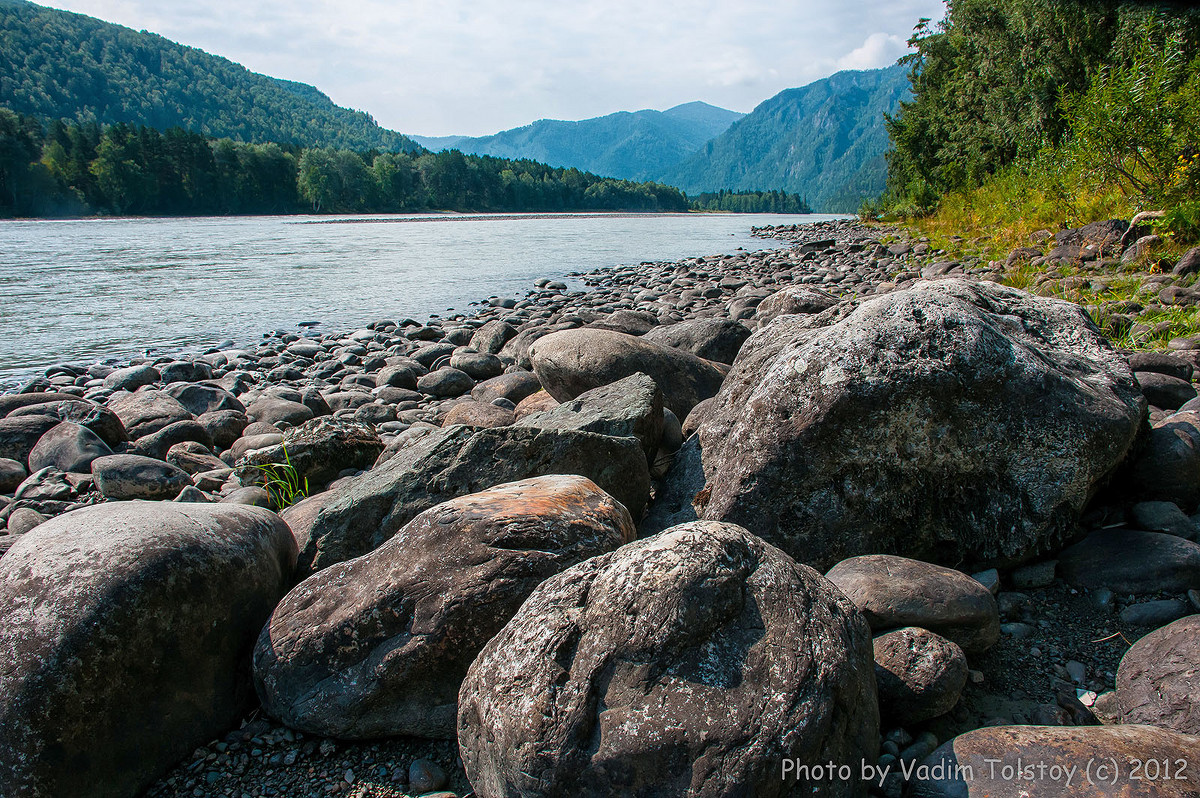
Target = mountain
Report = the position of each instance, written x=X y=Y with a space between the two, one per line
x=60 y=65
x=630 y=145
x=825 y=141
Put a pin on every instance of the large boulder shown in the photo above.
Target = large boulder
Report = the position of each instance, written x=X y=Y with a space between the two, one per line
x=894 y=592
x=1053 y=761
x=513 y=386
x=571 y=362
x=131 y=476
x=320 y=449
x=200 y=399
x=97 y=418
x=68 y=447
x=379 y=645
x=146 y=411
x=920 y=675
x=690 y=663
x=125 y=633
x=19 y=434
x=718 y=340
x=1158 y=682
x=442 y=464
x=632 y=407
x=793 y=300
x=954 y=422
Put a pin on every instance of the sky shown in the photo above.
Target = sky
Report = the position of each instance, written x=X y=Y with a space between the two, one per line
x=474 y=67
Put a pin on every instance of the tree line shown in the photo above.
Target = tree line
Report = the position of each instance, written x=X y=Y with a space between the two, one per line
x=750 y=202
x=71 y=168
x=1108 y=84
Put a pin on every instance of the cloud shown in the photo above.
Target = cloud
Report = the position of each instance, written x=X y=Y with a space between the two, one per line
x=879 y=50
x=478 y=66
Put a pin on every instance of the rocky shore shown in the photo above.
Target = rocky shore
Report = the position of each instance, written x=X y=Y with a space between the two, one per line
x=720 y=526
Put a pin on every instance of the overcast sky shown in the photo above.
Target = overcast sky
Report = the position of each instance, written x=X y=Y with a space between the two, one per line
x=438 y=67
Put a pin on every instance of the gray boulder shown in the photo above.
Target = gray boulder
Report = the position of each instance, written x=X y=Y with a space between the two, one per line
x=1158 y=682
x=718 y=340
x=793 y=300
x=644 y=672
x=12 y=474
x=273 y=410
x=67 y=447
x=895 y=592
x=378 y=646
x=225 y=426
x=443 y=464
x=513 y=386
x=125 y=630
x=446 y=383
x=97 y=418
x=571 y=362
x=1167 y=466
x=131 y=476
x=131 y=378
x=957 y=421
x=492 y=337
x=478 y=414
x=146 y=411
x=157 y=444
x=632 y=407
x=320 y=449
x=19 y=434
x=200 y=399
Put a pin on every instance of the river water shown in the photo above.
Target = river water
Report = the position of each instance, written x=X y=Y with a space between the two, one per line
x=83 y=291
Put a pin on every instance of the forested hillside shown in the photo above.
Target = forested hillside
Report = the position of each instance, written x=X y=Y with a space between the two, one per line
x=636 y=145
x=1065 y=100
x=826 y=141
x=59 y=65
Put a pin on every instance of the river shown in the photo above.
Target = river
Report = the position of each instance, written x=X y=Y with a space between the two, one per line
x=83 y=291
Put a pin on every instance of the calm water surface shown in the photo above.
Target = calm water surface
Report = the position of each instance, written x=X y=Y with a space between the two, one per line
x=83 y=291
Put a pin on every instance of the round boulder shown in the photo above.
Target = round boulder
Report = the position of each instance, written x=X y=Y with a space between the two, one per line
x=124 y=630
x=689 y=663
x=446 y=383
x=146 y=411
x=895 y=592
x=571 y=362
x=955 y=422
x=1158 y=682
x=478 y=414
x=68 y=447
x=379 y=645
x=718 y=340
x=131 y=476
x=920 y=675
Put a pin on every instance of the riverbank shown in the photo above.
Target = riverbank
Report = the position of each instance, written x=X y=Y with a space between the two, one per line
x=210 y=424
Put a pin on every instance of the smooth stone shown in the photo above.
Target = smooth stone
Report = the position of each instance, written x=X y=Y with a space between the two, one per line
x=446 y=383
x=194 y=458
x=249 y=496
x=896 y=592
x=799 y=299
x=1164 y=517
x=157 y=444
x=1154 y=613
x=378 y=646
x=146 y=411
x=1167 y=467
x=492 y=337
x=224 y=426
x=251 y=442
x=477 y=365
x=1165 y=391
x=131 y=378
x=1129 y=562
x=97 y=418
x=184 y=371
x=12 y=474
x=514 y=386
x=200 y=399
x=19 y=434
x=660 y=653
x=273 y=410
x=69 y=448
x=535 y=403
x=718 y=340
x=130 y=476
x=1162 y=363
x=123 y=630
x=24 y=519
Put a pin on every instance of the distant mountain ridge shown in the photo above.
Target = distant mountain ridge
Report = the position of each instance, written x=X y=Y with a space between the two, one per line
x=61 y=65
x=633 y=145
x=826 y=141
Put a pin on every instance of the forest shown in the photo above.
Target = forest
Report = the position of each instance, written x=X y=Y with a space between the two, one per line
x=750 y=202
x=1045 y=108
x=74 y=169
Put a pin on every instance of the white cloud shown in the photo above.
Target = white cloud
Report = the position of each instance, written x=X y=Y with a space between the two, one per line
x=477 y=66
x=879 y=50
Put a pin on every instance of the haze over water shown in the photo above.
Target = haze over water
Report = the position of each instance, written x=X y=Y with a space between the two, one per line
x=83 y=291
